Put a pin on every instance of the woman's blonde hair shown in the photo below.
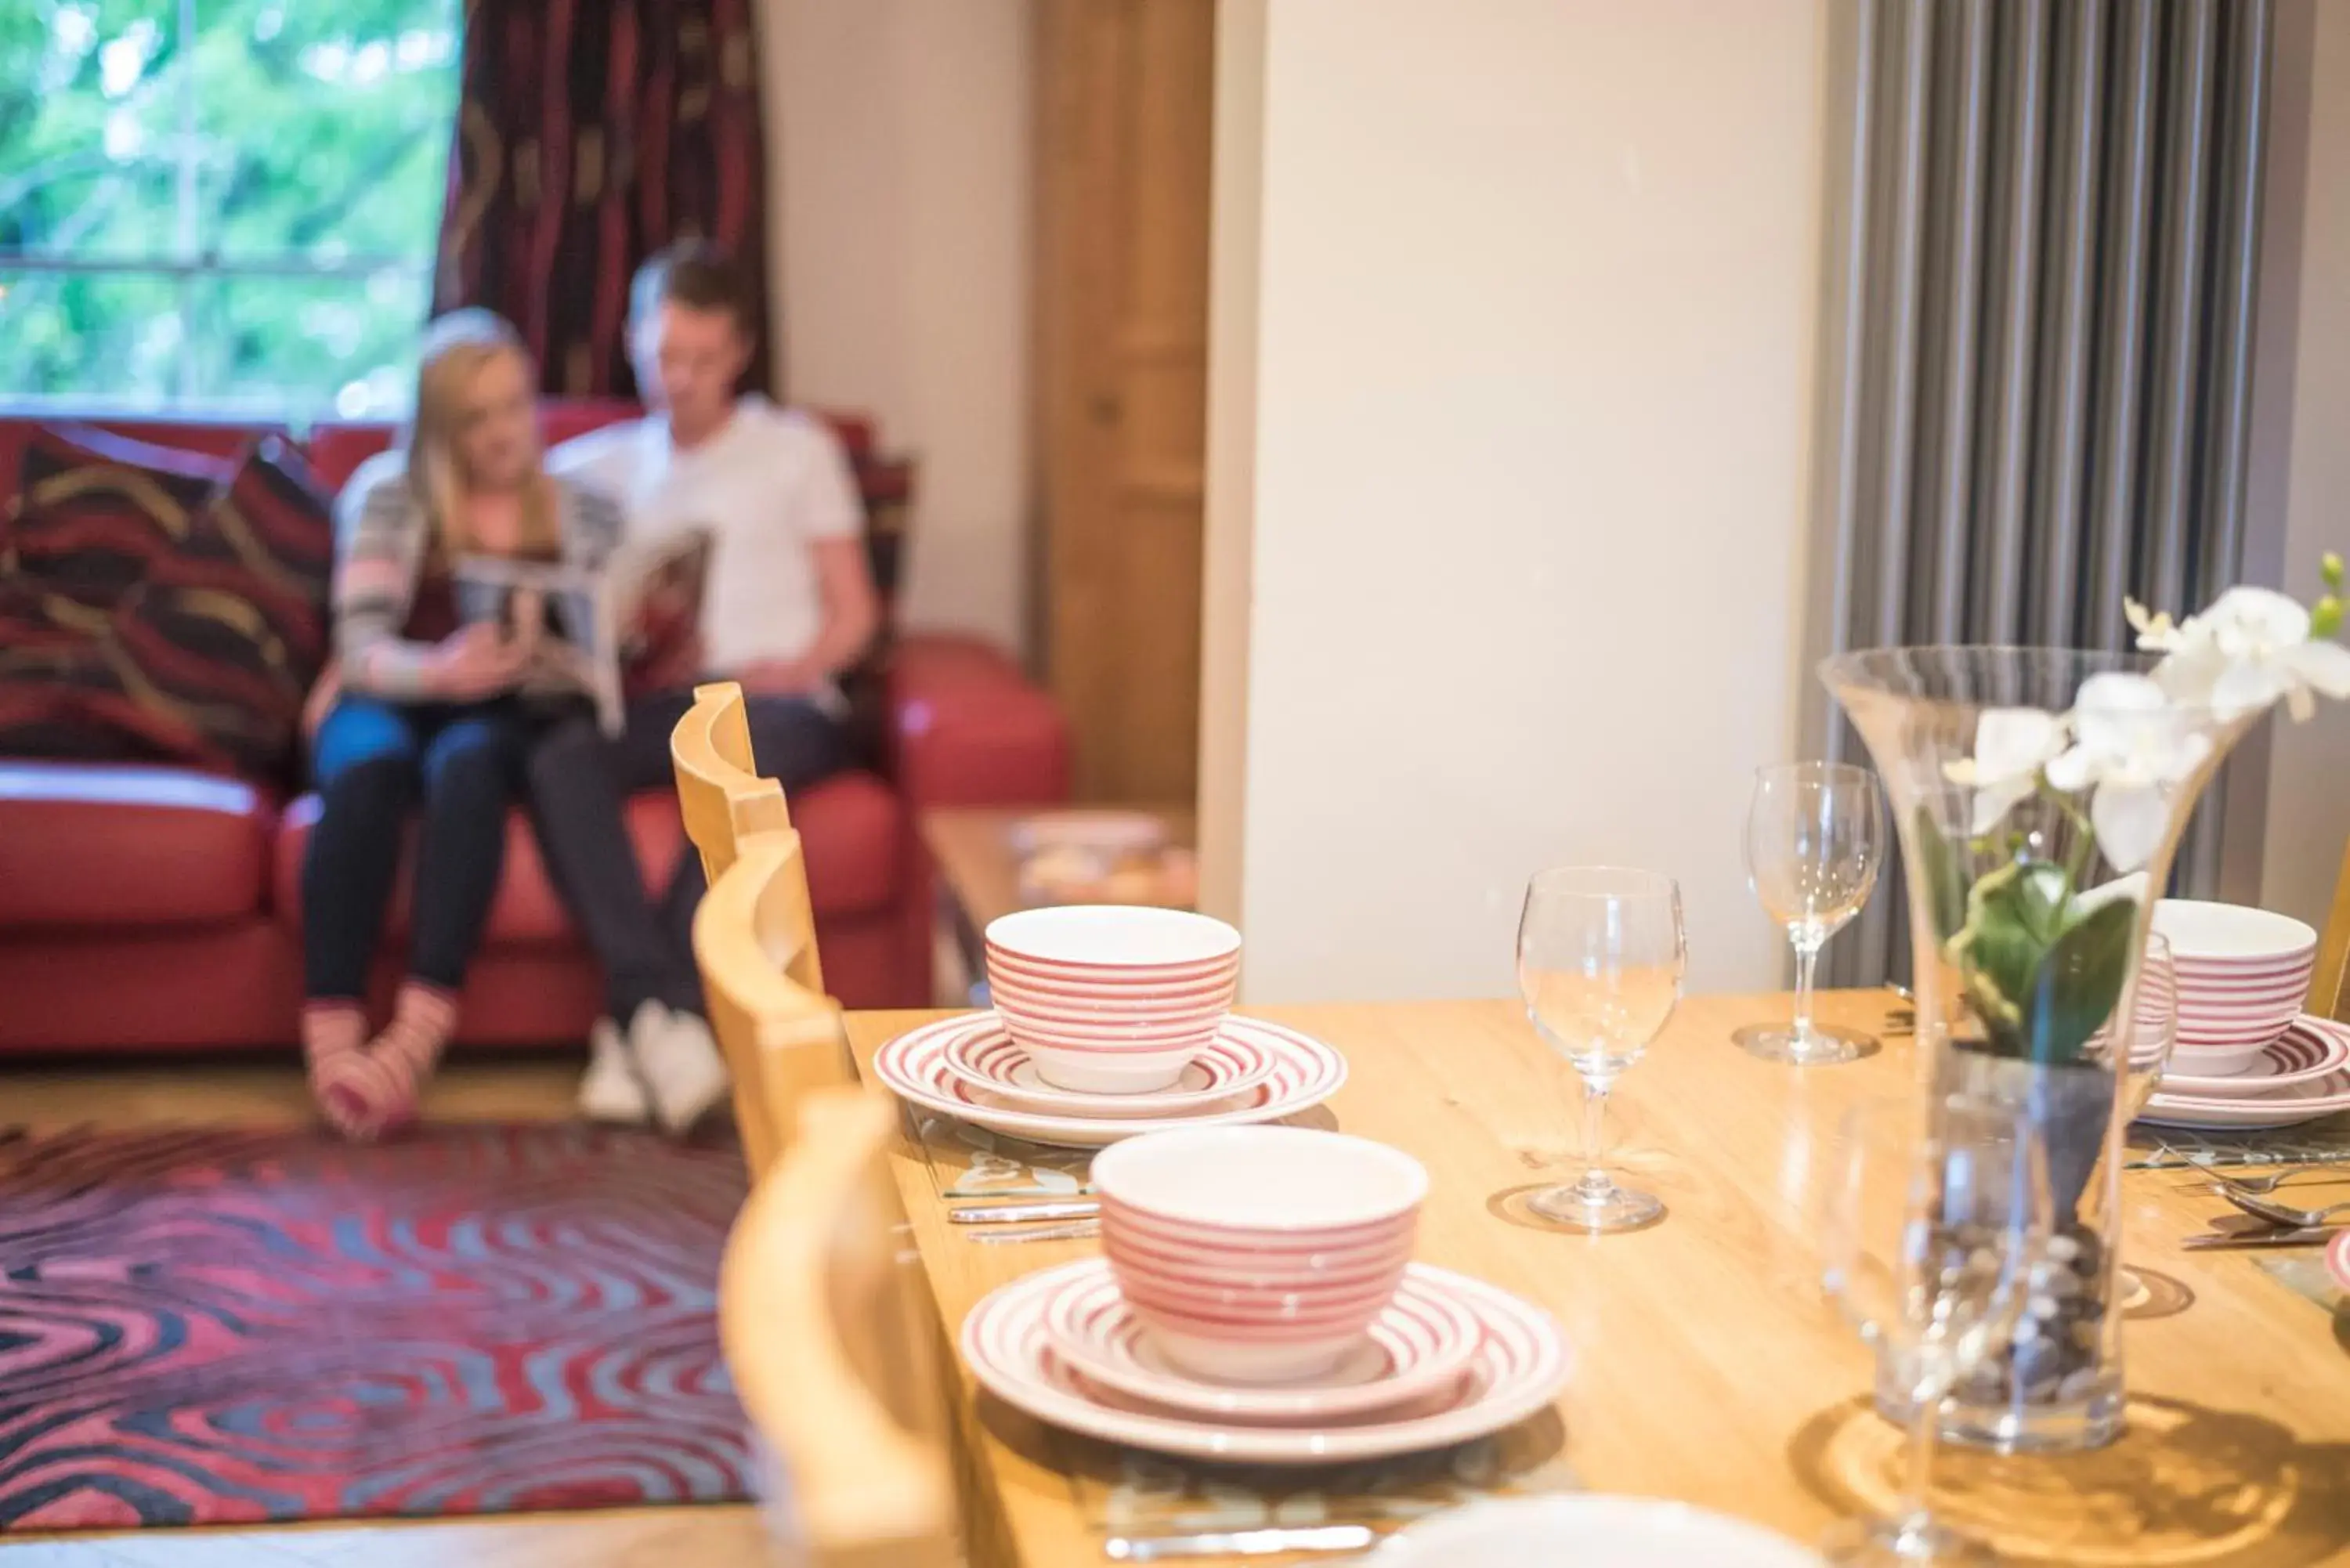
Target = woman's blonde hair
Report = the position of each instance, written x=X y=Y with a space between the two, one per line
x=455 y=349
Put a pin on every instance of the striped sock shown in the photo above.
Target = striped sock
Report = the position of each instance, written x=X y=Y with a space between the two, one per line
x=334 y=1034
x=409 y=1048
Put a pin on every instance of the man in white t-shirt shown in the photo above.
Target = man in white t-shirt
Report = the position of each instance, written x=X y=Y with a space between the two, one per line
x=790 y=604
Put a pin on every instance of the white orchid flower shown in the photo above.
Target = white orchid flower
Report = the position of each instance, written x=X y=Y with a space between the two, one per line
x=2132 y=746
x=2249 y=648
x=2011 y=745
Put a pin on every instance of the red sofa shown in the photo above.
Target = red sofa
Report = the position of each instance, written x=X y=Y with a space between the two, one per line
x=151 y=907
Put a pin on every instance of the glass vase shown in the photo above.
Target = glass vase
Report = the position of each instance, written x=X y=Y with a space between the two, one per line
x=2027 y=928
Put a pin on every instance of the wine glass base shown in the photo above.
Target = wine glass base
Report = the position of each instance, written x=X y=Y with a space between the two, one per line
x=1892 y=1543
x=1619 y=1208
x=1822 y=1047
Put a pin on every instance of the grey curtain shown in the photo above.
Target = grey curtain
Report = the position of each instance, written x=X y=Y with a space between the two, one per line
x=2040 y=325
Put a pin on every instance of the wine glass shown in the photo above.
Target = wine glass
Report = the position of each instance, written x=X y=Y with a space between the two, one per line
x=2147 y=1043
x=1600 y=955
x=1932 y=1227
x=1814 y=839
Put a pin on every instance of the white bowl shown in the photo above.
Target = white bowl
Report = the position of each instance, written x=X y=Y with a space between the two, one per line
x=1257 y=1254
x=2198 y=930
x=1113 y=937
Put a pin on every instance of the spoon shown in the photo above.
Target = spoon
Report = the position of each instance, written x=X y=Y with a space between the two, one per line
x=2281 y=1214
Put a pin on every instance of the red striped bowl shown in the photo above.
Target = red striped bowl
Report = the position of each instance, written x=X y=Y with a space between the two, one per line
x=1257 y=1255
x=1112 y=999
x=2243 y=976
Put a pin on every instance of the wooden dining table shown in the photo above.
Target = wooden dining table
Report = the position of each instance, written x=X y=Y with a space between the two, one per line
x=1708 y=1366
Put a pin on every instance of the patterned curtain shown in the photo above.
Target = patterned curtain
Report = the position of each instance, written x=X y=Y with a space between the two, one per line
x=592 y=133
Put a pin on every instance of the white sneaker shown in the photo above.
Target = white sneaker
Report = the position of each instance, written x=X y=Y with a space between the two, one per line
x=612 y=1092
x=684 y=1074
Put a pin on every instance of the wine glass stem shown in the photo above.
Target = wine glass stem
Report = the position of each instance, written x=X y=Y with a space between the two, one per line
x=1912 y=1509
x=1807 y=961
x=1597 y=1183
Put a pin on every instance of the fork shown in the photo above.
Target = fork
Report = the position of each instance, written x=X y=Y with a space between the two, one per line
x=2260 y=1185
x=2281 y=1214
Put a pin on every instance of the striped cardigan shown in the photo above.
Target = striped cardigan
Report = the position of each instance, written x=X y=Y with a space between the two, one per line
x=382 y=536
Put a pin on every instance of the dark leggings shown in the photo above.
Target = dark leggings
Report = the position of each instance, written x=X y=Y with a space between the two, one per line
x=580 y=781
x=372 y=763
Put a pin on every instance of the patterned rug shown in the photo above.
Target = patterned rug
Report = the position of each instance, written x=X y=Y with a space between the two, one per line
x=208 y=1327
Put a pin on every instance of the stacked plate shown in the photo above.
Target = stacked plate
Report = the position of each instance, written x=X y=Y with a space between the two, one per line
x=2247 y=1057
x=1110 y=1021
x=971 y=1068
x=1257 y=1305
x=2301 y=1076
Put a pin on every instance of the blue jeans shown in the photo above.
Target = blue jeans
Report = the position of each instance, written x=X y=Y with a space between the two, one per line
x=375 y=763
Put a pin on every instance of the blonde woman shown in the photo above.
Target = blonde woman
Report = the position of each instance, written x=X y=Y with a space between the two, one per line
x=435 y=713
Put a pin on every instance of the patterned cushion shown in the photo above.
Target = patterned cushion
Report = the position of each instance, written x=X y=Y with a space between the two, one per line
x=268 y=538
x=206 y=639
x=90 y=509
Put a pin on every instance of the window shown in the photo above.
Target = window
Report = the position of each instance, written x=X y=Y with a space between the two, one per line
x=223 y=206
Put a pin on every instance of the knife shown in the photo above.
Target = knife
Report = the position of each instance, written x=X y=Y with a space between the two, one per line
x=1239 y=1542
x=1023 y=1213
x=2306 y=1236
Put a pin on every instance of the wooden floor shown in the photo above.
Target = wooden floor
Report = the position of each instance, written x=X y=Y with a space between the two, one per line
x=273 y=1095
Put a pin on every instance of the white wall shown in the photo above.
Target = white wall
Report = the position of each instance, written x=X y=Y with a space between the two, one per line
x=899 y=172
x=2309 y=799
x=1533 y=289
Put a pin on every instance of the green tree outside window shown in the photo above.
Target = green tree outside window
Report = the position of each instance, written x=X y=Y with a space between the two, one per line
x=220 y=205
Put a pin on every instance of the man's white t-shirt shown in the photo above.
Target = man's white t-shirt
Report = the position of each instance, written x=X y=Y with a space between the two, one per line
x=767 y=487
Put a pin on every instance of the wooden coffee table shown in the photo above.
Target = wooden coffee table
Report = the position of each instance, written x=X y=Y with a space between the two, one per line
x=979 y=879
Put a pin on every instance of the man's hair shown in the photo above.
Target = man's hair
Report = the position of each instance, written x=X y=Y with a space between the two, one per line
x=697 y=274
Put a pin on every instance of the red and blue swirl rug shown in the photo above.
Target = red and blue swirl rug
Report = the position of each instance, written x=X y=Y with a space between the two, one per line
x=213 y=1327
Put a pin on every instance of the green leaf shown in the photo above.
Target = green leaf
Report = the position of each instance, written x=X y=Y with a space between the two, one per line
x=1946 y=878
x=2014 y=915
x=2079 y=982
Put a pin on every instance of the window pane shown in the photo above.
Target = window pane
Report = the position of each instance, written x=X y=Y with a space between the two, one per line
x=324 y=347
x=90 y=106
x=325 y=127
x=112 y=338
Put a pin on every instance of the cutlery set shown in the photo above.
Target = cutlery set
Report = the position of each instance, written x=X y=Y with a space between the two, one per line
x=2280 y=1225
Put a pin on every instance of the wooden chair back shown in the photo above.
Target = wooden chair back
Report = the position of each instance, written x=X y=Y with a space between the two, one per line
x=833 y=1348
x=755 y=943
x=719 y=791
x=2329 y=987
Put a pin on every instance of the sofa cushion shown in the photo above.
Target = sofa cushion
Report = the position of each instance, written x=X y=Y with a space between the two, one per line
x=88 y=510
x=151 y=630
x=853 y=826
x=128 y=847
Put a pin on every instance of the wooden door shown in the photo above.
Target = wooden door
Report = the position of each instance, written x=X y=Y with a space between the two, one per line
x=1123 y=99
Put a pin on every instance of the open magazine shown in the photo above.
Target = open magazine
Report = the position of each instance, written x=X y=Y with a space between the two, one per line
x=588 y=629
